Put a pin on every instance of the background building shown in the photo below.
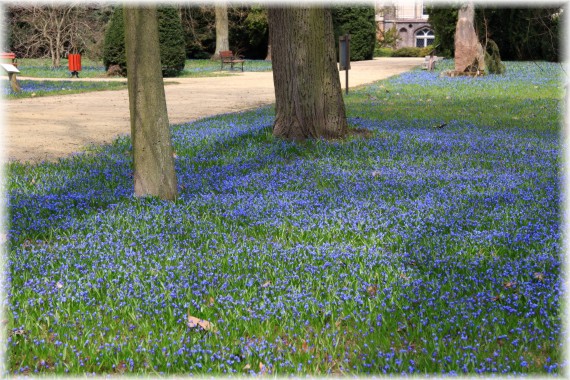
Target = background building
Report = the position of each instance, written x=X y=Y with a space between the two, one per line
x=410 y=20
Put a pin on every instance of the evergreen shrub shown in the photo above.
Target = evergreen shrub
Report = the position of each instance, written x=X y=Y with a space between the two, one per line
x=493 y=59
x=114 y=45
x=359 y=22
x=171 y=39
x=412 y=51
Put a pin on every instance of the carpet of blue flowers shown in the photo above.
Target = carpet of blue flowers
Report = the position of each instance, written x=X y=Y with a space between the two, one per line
x=419 y=250
x=32 y=88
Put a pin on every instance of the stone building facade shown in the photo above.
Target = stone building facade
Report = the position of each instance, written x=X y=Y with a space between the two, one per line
x=410 y=20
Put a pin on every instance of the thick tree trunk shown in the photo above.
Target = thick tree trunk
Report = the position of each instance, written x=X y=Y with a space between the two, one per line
x=469 y=54
x=152 y=151
x=222 y=34
x=308 y=96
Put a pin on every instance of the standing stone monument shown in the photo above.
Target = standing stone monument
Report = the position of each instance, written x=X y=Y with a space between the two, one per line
x=469 y=54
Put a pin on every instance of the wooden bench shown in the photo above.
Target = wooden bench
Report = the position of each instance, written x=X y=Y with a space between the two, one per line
x=10 y=56
x=227 y=57
x=429 y=62
x=12 y=69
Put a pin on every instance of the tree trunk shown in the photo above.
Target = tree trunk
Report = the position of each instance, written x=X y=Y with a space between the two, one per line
x=469 y=54
x=308 y=96
x=153 y=159
x=222 y=34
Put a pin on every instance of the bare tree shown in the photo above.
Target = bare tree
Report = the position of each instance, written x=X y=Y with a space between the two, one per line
x=308 y=97
x=153 y=160
x=52 y=29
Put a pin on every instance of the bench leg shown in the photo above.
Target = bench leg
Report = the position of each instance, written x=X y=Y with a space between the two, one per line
x=14 y=82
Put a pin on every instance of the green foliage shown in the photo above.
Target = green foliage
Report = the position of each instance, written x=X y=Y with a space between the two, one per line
x=443 y=22
x=383 y=52
x=522 y=33
x=412 y=51
x=114 y=46
x=171 y=39
x=493 y=59
x=389 y=38
x=249 y=31
x=358 y=21
x=170 y=34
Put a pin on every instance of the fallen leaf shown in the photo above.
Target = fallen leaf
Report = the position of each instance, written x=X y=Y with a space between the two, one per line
x=510 y=284
x=262 y=368
x=212 y=301
x=338 y=322
x=59 y=285
x=194 y=322
x=376 y=173
x=372 y=290
x=305 y=346
x=538 y=276
x=246 y=367
x=266 y=284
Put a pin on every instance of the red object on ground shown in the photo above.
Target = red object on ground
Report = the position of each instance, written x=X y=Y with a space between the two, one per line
x=74 y=62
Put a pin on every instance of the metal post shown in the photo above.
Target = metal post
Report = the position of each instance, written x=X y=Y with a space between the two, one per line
x=344 y=55
x=346 y=71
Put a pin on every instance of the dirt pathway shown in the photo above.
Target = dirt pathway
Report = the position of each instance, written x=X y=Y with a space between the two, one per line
x=47 y=128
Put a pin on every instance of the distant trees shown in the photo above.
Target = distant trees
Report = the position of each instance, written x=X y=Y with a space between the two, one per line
x=153 y=162
x=53 y=30
x=171 y=37
x=308 y=97
x=247 y=30
x=520 y=33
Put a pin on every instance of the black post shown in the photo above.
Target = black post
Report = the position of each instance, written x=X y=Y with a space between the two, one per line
x=344 y=55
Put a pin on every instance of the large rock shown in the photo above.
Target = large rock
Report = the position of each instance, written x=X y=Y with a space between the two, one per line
x=469 y=54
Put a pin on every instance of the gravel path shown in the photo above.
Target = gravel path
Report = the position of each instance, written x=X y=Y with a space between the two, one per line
x=47 y=128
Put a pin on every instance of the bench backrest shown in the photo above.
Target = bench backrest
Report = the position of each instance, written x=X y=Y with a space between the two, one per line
x=7 y=55
x=226 y=54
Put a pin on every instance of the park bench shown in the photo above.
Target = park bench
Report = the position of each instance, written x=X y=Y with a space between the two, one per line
x=429 y=62
x=11 y=68
x=227 y=57
x=10 y=56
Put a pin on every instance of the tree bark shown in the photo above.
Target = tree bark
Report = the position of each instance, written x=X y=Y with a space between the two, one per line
x=153 y=159
x=222 y=34
x=469 y=54
x=308 y=95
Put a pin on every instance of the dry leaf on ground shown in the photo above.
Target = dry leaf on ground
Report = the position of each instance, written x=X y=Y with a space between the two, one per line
x=194 y=322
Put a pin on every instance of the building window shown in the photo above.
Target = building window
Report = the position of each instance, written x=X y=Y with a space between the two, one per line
x=424 y=37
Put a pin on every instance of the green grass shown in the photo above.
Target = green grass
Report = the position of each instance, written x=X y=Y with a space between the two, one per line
x=41 y=68
x=417 y=251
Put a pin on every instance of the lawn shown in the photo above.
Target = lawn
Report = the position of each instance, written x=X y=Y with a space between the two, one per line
x=41 y=68
x=421 y=250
